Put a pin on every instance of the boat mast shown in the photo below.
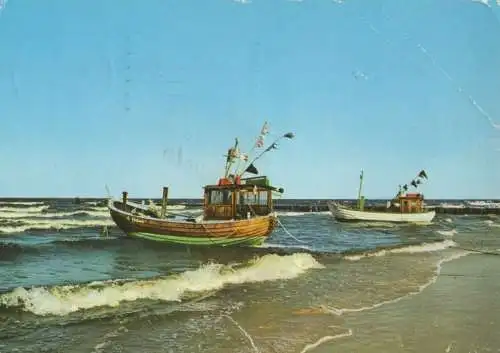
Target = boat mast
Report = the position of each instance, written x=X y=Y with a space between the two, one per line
x=231 y=154
x=361 y=200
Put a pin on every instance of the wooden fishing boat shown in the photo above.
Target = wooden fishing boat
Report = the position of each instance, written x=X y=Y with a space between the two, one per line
x=236 y=211
x=406 y=207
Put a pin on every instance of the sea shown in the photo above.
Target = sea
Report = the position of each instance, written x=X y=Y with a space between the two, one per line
x=70 y=281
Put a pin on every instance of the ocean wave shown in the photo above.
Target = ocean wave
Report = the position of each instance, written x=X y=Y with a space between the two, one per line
x=404 y=249
x=491 y=223
x=88 y=213
x=19 y=203
x=86 y=242
x=30 y=210
x=447 y=233
x=54 y=224
x=63 y=300
x=13 y=249
x=10 y=251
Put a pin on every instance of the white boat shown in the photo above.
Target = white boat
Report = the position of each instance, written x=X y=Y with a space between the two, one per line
x=404 y=208
x=347 y=214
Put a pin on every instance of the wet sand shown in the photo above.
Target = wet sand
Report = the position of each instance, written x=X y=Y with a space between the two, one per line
x=459 y=313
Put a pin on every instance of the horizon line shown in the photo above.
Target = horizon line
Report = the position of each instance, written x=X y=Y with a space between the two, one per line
x=90 y=198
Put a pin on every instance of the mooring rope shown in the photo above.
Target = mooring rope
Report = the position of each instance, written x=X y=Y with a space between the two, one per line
x=287 y=232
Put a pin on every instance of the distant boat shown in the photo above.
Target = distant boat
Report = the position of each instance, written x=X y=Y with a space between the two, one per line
x=405 y=208
x=347 y=214
x=236 y=211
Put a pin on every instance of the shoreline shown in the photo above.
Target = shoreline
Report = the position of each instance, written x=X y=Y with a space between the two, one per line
x=445 y=325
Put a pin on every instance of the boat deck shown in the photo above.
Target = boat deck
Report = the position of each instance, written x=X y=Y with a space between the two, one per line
x=183 y=220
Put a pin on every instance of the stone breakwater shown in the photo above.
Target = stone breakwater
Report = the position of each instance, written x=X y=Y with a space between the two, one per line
x=321 y=206
x=297 y=205
x=312 y=207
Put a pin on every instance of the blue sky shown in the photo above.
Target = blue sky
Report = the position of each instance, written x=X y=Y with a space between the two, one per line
x=145 y=94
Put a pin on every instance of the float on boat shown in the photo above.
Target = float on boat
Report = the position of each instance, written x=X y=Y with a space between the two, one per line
x=237 y=211
x=405 y=207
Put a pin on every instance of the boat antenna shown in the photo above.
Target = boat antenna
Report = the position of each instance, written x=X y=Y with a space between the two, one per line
x=272 y=146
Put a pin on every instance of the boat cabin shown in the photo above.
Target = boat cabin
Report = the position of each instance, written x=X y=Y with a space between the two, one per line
x=235 y=198
x=411 y=202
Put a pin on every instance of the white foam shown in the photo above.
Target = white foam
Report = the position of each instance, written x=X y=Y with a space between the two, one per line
x=324 y=340
x=62 y=300
x=12 y=215
x=21 y=203
x=295 y=214
x=290 y=214
x=31 y=210
x=410 y=249
x=57 y=224
x=447 y=233
x=245 y=333
x=490 y=223
x=377 y=224
x=282 y=246
x=96 y=209
x=433 y=280
x=107 y=338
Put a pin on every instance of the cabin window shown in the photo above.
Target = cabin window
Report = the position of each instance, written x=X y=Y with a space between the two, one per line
x=251 y=198
x=220 y=197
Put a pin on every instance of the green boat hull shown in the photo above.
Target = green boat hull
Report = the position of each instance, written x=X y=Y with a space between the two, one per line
x=203 y=241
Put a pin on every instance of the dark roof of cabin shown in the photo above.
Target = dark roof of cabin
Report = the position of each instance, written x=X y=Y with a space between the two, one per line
x=238 y=187
x=412 y=196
